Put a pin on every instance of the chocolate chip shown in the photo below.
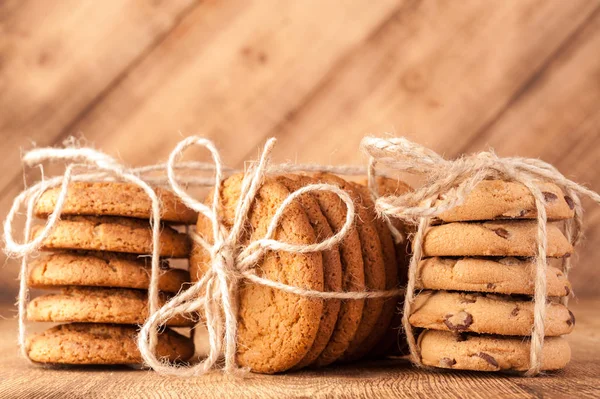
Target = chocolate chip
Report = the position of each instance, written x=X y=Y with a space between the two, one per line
x=515 y=312
x=488 y=359
x=502 y=232
x=549 y=197
x=447 y=362
x=461 y=337
x=567 y=290
x=491 y=286
x=570 y=202
x=571 y=321
x=467 y=299
x=458 y=322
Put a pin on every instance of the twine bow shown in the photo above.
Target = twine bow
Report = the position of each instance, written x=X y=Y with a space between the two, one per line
x=447 y=184
x=231 y=262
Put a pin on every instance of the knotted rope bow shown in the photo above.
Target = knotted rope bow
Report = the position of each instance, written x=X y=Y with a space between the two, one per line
x=447 y=184
x=216 y=291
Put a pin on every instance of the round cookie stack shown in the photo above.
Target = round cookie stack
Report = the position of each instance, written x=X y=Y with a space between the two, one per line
x=99 y=260
x=278 y=331
x=477 y=279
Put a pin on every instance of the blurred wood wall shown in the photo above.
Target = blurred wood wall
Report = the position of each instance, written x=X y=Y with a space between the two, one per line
x=134 y=77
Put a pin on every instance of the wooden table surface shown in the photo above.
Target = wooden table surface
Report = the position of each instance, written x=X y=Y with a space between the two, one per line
x=133 y=77
x=393 y=378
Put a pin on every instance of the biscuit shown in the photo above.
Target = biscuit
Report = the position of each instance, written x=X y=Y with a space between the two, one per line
x=496 y=199
x=101 y=270
x=107 y=344
x=275 y=329
x=393 y=342
x=486 y=314
x=504 y=238
x=372 y=259
x=113 y=234
x=97 y=305
x=495 y=275
x=391 y=278
x=114 y=199
x=353 y=277
x=488 y=352
x=332 y=271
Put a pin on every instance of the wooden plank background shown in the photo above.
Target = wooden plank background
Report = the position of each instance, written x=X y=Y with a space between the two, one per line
x=134 y=77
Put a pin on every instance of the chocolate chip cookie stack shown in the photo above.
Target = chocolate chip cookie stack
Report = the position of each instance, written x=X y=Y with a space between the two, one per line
x=279 y=331
x=476 y=306
x=99 y=260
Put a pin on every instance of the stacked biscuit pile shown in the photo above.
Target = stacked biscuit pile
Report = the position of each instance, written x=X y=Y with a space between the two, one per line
x=476 y=306
x=99 y=260
x=278 y=331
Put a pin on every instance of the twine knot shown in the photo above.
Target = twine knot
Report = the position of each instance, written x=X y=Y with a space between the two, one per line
x=447 y=184
x=215 y=293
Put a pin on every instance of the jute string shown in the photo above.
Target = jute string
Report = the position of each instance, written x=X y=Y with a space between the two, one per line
x=231 y=262
x=447 y=184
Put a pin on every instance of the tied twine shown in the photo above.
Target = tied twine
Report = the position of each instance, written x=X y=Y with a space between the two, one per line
x=447 y=184
x=216 y=291
x=231 y=262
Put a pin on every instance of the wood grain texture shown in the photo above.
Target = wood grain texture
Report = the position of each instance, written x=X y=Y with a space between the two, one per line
x=393 y=378
x=58 y=59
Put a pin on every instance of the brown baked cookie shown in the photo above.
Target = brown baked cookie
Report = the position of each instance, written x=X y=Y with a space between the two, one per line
x=393 y=342
x=372 y=260
x=114 y=199
x=353 y=278
x=486 y=314
x=101 y=270
x=495 y=275
x=496 y=199
x=275 y=329
x=113 y=234
x=97 y=305
x=391 y=277
x=505 y=238
x=488 y=352
x=332 y=271
x=107 y=344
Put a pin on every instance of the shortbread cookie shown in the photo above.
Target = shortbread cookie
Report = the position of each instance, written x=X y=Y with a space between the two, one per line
x=391 y=277
x=102 y=270
x=506 y=238
x=114 y=199
x=393 y=342
x=487 y=314
x=496 y=199
x=353 y=277
x=488 y=352
x=495 y=275
x=372 y=259
x=113 y=234
x=275 y=329
x=332 y=271
x=97 y=305
x=108 y=344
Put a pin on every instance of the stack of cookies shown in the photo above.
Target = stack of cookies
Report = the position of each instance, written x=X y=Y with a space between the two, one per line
x=99 y=261
x=278 y=331
x=476 y=306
